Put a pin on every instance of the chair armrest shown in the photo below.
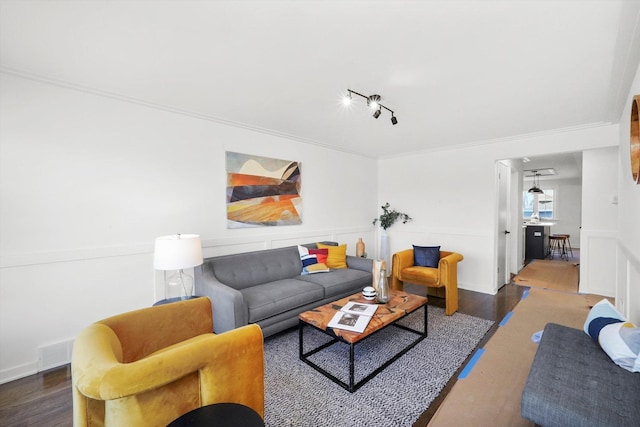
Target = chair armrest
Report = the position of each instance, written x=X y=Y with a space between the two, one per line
x=359 y=263
x=449 y=258
x=231 y=366
x=400 y=261
x=448 y=265
x=227 y=303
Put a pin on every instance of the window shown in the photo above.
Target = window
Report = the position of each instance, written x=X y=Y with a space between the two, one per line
x=545 y=206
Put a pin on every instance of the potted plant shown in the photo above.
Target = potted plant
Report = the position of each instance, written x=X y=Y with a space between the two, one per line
x=387 y=219
x=390 y=216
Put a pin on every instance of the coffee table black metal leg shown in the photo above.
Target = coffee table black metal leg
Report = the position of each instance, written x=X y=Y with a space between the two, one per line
x=426 y=320
x=300 y=327
x=351 y=367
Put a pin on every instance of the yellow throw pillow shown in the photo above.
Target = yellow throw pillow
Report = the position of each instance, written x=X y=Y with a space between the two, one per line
x=337 y=255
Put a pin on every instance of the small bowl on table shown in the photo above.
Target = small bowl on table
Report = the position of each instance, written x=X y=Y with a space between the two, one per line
x=369 y=293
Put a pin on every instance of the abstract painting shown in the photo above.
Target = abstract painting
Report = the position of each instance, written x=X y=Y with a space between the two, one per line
x=262 y=191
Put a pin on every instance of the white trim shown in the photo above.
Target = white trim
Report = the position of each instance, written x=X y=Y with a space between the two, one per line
x=125 y=98
x=591 y=264
x=499 y=140
x=17 y=372
x=263 y=241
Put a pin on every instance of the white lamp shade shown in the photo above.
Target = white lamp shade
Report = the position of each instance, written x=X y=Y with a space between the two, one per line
x=177 y=252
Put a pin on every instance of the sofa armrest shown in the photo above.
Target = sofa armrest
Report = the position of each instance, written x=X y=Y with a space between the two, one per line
x=227 y=304
x=359 y=263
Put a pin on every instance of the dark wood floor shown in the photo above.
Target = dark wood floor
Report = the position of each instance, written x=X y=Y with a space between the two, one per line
x=44 y=399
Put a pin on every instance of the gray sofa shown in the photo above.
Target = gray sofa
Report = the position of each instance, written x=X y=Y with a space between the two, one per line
x=266 y=287
x=572 y=382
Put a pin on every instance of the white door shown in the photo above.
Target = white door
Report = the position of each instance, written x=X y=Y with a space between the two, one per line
x=503 y=232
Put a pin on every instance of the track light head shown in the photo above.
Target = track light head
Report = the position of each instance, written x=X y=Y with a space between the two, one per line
x=373 y=102
x=346 y=100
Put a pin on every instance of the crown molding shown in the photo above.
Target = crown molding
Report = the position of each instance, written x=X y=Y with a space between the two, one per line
x=167 y=108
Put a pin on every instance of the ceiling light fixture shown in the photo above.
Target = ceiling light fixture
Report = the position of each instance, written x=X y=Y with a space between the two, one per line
x=536 y=184
x=373 y=101
x=347 y=99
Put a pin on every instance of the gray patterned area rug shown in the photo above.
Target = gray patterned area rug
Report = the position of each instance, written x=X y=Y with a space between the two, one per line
x=298 y=395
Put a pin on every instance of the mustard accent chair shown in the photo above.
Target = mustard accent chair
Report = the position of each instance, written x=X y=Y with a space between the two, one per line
x=444 y=277
x=150 y=366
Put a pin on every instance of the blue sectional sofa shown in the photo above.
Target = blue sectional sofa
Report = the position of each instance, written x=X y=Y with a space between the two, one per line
x=266 y=287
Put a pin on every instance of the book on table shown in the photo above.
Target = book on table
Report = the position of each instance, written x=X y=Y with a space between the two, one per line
x=354 y=316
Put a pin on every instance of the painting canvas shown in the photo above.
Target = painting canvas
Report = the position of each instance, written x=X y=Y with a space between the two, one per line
x=262 y=191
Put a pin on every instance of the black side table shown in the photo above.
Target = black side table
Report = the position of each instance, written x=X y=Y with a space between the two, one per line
x=176 y=299
x=220 y=415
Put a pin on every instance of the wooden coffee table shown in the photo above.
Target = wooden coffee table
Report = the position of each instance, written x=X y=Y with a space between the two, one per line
x=399 y=306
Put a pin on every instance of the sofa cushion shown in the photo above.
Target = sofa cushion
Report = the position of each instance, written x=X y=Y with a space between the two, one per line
x=621 y=342
x=337 y=255
x=268 y=299
x=339 y=281
x=603 y=309
x=572 y=382
x=426 y=256
x=617 y=337
x=321 y=254
x=310 y=262
x=248 y=269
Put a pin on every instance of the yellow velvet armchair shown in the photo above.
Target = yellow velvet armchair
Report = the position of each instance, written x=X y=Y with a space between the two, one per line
x=150 y=366
x=444 y=277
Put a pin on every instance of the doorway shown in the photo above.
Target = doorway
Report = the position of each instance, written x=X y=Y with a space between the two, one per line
x=561 y=175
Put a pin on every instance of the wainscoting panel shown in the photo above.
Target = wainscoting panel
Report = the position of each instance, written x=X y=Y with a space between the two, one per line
x=476 y=272
x=598 y=270
x=628 y=284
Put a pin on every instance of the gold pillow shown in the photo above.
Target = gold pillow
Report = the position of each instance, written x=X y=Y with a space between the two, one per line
x=337 y=255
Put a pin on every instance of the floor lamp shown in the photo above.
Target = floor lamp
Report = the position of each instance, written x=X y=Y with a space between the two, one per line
x=173 y=254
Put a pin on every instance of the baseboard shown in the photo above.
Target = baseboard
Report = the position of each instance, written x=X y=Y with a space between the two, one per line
x=49 y=357
x=17 y=372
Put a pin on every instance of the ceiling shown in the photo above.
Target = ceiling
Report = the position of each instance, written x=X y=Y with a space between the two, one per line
x=566 y=165
x=455 y=72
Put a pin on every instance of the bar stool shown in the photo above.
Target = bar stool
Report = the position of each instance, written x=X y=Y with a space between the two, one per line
x=568 y=244
x=557 y=243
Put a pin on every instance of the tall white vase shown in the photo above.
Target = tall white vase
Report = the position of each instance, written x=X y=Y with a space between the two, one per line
x=385 y=254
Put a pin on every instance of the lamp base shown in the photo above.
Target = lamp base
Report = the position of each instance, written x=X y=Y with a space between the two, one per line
x=178 y=284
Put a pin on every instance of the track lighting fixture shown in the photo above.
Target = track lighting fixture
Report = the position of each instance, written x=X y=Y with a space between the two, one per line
x=373 y=101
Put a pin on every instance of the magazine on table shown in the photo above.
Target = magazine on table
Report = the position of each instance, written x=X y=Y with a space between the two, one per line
x=354 y=316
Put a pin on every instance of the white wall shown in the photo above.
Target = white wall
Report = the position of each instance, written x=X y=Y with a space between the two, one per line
x=86 y=184
x=628 y=279
x=599 y=221
x=451 y=195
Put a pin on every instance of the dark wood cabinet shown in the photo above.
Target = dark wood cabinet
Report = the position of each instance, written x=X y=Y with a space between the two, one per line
x=536 y=241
